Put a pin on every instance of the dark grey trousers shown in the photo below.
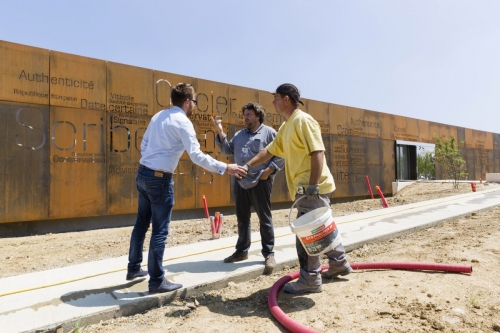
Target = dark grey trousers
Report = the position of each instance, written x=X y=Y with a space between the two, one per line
x=258 y=197
x=310 y=266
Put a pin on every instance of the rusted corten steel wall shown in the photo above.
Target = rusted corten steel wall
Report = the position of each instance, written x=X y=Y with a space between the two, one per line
x=72 y=128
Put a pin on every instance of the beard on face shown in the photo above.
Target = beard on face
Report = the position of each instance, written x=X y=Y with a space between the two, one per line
x=190 y=110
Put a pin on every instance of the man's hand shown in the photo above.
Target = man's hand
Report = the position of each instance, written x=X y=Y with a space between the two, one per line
x=236 y=170
x=217 y=122
x=312 y=192
x=267 y=172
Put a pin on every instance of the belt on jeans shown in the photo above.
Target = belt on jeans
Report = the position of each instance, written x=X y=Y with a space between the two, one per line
x=157 y=173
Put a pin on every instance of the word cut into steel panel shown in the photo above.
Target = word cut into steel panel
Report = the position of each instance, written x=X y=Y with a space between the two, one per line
x=213 y=100
x=163 y=84
x=124 y=134
x=77 y=82
x=73 y=127
x=24 y=74
x=24 y=160
x=77 y=163
x=130 y=90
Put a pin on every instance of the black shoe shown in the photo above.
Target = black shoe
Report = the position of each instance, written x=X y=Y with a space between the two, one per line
x=236 y=256
x=140 y=273
x=165 y=287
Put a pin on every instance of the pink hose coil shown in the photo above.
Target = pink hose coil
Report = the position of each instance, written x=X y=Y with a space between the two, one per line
x=294 y=326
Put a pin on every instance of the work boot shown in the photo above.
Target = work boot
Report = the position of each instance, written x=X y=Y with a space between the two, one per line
x=165 y=287
x=236 y=256
x=269 y=265
x=140 y=273
x=332 y=273
x=301 y=288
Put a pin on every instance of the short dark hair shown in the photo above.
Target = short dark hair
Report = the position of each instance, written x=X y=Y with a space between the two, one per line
x=257 y=108
x=181 y=92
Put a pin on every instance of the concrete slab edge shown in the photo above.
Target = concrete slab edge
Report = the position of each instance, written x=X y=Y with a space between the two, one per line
x=159 y=300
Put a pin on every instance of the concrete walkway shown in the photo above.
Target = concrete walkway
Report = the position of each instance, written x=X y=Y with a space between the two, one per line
x=55 y=300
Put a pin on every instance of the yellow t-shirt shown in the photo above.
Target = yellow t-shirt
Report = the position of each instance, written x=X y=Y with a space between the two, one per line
x=297 y=138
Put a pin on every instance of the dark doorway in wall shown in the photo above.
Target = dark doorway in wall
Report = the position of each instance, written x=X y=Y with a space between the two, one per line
x=406 y=162
x=409 y=155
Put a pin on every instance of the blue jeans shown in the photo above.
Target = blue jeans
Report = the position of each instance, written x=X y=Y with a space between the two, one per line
x=156 y=200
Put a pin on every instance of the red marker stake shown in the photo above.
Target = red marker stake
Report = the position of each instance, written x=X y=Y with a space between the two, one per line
x=382 y=198
x=369 y=186
x=217 y=222
x=205 y=206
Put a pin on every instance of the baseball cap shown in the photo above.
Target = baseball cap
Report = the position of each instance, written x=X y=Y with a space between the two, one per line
x=290 y=90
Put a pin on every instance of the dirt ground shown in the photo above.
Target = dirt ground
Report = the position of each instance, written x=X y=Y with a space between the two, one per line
x=365 y=301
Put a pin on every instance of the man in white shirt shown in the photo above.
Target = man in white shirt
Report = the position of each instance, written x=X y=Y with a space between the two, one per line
x=169 y=134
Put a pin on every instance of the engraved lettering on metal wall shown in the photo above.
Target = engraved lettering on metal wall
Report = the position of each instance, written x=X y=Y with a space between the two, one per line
x=361 y=128
x=31 y=93
x=32 y=77
x=197 y=116
x=61 y=81
x=157 y=85
x=205 y=103
x=401 y=133
x=126 y=104
x=85 y=104
x=80 y=158
x=31 y=128
x=122 y=170
x=118 y=128
x=325 y=128
x=56 y=124
x=350 y=161
x=82 y=135
x=479 y=144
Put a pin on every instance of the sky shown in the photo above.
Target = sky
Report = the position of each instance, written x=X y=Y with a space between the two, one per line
x=437 y=60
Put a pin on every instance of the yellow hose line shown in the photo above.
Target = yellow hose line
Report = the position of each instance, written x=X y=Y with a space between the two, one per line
x=221 y=248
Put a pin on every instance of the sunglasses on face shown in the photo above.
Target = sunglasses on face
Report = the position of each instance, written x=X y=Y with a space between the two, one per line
x=194 y=101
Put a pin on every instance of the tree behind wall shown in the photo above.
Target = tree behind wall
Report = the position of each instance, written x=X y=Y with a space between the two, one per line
x=425 y=165
x=447 y=154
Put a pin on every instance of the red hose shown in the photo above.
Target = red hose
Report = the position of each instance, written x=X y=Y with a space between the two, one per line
x=414 y=266
x=294 y=326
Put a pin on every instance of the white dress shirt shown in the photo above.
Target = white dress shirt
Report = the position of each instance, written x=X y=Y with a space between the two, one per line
x=169 y=133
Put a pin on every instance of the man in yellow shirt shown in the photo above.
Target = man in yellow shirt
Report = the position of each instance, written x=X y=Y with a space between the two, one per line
x=299 y=141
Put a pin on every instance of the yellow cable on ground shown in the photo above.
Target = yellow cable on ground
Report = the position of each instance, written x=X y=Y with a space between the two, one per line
x=223 y=247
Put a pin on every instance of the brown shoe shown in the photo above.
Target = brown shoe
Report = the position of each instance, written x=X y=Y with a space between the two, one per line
x=269 y=265
x=236 y=256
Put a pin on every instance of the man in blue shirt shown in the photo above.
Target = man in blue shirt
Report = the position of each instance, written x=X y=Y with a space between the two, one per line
x=255 y=189
x=169 y=134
